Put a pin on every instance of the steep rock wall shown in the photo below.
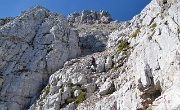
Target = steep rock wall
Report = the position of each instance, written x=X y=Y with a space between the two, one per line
x=33 y=46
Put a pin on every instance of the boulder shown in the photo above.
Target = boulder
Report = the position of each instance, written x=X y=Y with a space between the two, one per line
x=106 y=88
x=91 y=88
x=108 y=63
x=100 y=65
x=82 y=79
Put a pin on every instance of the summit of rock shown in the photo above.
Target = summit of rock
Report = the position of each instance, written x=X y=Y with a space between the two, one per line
x=90 y=17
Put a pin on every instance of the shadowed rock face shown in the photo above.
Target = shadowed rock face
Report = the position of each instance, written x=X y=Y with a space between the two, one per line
x=33 y=46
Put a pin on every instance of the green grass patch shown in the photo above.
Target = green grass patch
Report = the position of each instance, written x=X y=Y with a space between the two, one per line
x=123 y=46
x=35 y=105
x=46 y=89
x=124 y=53
x=70 y=100
x=136 y=33
x=70 y=84
x=80 y=98
x=6 y=20
x=153 y=26
x=78 y=87
x=115 y=68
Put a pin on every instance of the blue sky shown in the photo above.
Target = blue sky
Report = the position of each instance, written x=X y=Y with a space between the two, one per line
x=121 y=10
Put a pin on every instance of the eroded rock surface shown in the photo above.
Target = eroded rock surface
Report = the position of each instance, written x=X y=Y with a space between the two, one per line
x=33 y=46
x=138 y=69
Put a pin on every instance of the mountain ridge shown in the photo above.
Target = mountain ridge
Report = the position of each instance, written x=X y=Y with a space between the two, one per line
x=137 y=62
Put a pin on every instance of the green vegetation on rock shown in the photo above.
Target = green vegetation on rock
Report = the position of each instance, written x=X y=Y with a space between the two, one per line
x=136 y=33
x=70 y=84
x=80 y=98
x=123 y=46
x=46 y=89
x=153 y=26
x=6 y=20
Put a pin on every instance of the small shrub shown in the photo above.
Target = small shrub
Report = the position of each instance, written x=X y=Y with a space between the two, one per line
x=136 y=33
x=80 y=98
x=35 y=105
x=7 y=19
x=123 y=46
x=84 y=89
x=124 y=53
x=46 y=89
x=70 y=100
x=70 y=84
x=76 y=88
x=115 y=68
x=153 y=26
x=77 y=84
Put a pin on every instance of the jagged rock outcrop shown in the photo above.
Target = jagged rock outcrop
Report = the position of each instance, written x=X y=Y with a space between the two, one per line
x=92 y=27
x=4 y=21
x=138 y=69
x=94 y=38
x=33 y=46
x=90 y=17
x=145 y=54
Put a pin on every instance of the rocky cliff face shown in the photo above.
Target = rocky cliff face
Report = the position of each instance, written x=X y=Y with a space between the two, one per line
x=138 y=69
x=33 y=46
x=92 y=27
x=90 y=17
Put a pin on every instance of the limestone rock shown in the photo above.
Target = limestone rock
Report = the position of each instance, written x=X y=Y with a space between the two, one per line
x=34 y=45
x=90 y=17
x=91 y=87
x=76 y=93
x=108 y=63
x=100 y=65
x=145 y=75
x=106 y=88
x=82 y=79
